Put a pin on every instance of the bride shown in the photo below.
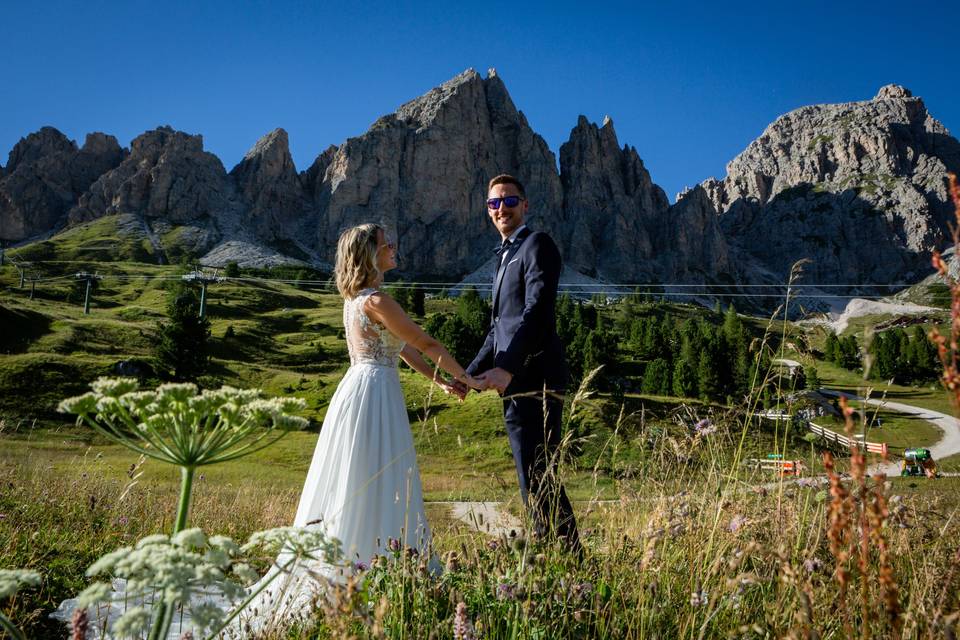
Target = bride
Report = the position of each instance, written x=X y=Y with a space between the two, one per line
x=363 y=487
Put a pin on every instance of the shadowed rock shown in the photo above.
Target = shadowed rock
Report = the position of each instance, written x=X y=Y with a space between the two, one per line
x=858 y=188
x=167 y=176
x=270 y=187
x=423 y=171
x=45 y=175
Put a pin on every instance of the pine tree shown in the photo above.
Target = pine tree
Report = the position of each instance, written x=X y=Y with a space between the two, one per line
x=708 y=379
x=684 y=379
x=813 y=379
x=831 y=351
x=599 y=351
x=417 y=301
x=182 y=340
x=474 y=311
x=656 y=378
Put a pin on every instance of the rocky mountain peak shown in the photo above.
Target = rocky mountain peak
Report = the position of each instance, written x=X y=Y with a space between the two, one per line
x=167 y=179
x=610 y=203
x=45 y=142
x=819 y=172
x=893 y=92
x=425 y=110
x=45 y=176
x=101 y=144
x=423 y=171
x=268 y=183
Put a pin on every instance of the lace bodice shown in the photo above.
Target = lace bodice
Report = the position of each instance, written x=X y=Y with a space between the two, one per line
x=367 y=341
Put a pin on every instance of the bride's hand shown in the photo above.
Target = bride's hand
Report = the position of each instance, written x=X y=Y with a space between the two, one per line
x=454 y=388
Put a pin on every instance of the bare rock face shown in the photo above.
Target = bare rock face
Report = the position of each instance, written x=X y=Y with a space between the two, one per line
x=270 y=187
x=611 y=206
x=689 y=244
x=857 y=188
x=45 y=175
x=312 y=178
x=423 y=171
x=167 y=176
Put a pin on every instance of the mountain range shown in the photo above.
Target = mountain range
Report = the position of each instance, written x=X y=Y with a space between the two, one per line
x=859 y=189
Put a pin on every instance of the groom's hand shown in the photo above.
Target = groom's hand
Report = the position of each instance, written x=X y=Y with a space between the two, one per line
x=496 y=378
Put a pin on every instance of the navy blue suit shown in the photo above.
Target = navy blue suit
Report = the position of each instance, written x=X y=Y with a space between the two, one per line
x=523 y=340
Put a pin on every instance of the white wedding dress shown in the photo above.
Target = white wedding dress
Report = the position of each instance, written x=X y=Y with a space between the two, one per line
x=363 y=488
x=363 y=482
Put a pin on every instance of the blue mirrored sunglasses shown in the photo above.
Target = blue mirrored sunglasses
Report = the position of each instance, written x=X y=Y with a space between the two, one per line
x=508 y=201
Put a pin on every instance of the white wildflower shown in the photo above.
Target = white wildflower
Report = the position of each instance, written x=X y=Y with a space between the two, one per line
x=226 y=544
x=303 y=542
x=245 y=573
x=94 y=594
x=132 y=623
x=190 y=538
x=157 y=538
x=114 y=387
x=12 y=580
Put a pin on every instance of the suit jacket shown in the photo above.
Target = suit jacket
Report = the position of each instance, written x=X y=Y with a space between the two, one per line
x=523 y=326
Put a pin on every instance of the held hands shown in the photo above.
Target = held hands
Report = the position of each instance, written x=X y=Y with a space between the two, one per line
x=495 y=378
x=461 y=387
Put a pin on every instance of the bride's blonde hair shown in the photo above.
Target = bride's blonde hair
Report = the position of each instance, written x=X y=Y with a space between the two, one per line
x=356 y=266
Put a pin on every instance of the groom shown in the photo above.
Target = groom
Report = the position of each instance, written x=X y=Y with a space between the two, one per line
x=522 y=357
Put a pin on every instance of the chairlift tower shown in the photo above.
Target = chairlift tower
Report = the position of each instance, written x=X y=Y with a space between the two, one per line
x=20 y=266
x=89 y=278
x=198 y=276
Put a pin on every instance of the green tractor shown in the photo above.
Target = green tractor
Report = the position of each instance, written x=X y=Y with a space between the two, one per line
x=918 y=462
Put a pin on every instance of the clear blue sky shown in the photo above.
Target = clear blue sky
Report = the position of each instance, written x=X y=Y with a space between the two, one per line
x=688 y=84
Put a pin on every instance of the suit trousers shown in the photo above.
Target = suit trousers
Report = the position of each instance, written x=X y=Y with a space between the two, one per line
x=535 y=439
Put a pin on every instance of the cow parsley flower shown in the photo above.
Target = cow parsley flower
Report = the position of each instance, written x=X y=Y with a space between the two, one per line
x=12 y=580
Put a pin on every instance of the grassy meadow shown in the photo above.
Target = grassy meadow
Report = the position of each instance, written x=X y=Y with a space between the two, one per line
x=683 y=539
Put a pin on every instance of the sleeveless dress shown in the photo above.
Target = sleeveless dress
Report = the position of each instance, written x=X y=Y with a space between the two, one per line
x=363 y=488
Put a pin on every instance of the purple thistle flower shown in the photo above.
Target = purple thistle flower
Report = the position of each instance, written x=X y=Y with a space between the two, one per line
x=360 y=566
x=736 y=522
x=393 y=544
x=704 y=427
x=812 y=565
x=506 y=591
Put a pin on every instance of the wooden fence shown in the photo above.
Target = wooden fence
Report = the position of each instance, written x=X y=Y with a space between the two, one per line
x=827 y=434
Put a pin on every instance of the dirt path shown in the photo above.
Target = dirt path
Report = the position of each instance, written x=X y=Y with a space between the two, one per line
x=487 y=517
x=948 y=445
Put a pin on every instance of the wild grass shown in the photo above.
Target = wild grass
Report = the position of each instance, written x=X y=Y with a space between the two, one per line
x=682 y=539
x=704 y=553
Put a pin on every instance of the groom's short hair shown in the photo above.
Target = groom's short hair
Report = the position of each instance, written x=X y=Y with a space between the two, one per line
x=506 y=178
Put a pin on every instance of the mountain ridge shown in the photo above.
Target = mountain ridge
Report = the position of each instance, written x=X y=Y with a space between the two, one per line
x=858 y=188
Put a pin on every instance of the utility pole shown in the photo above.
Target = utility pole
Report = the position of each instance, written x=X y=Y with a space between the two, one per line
x=204 y=279
x=89 y=278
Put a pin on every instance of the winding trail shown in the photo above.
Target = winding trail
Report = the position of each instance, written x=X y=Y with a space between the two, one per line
x=948 y=445
x=488 y=518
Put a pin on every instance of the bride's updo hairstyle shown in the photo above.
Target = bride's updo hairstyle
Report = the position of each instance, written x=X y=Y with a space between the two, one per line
x=356 y=267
